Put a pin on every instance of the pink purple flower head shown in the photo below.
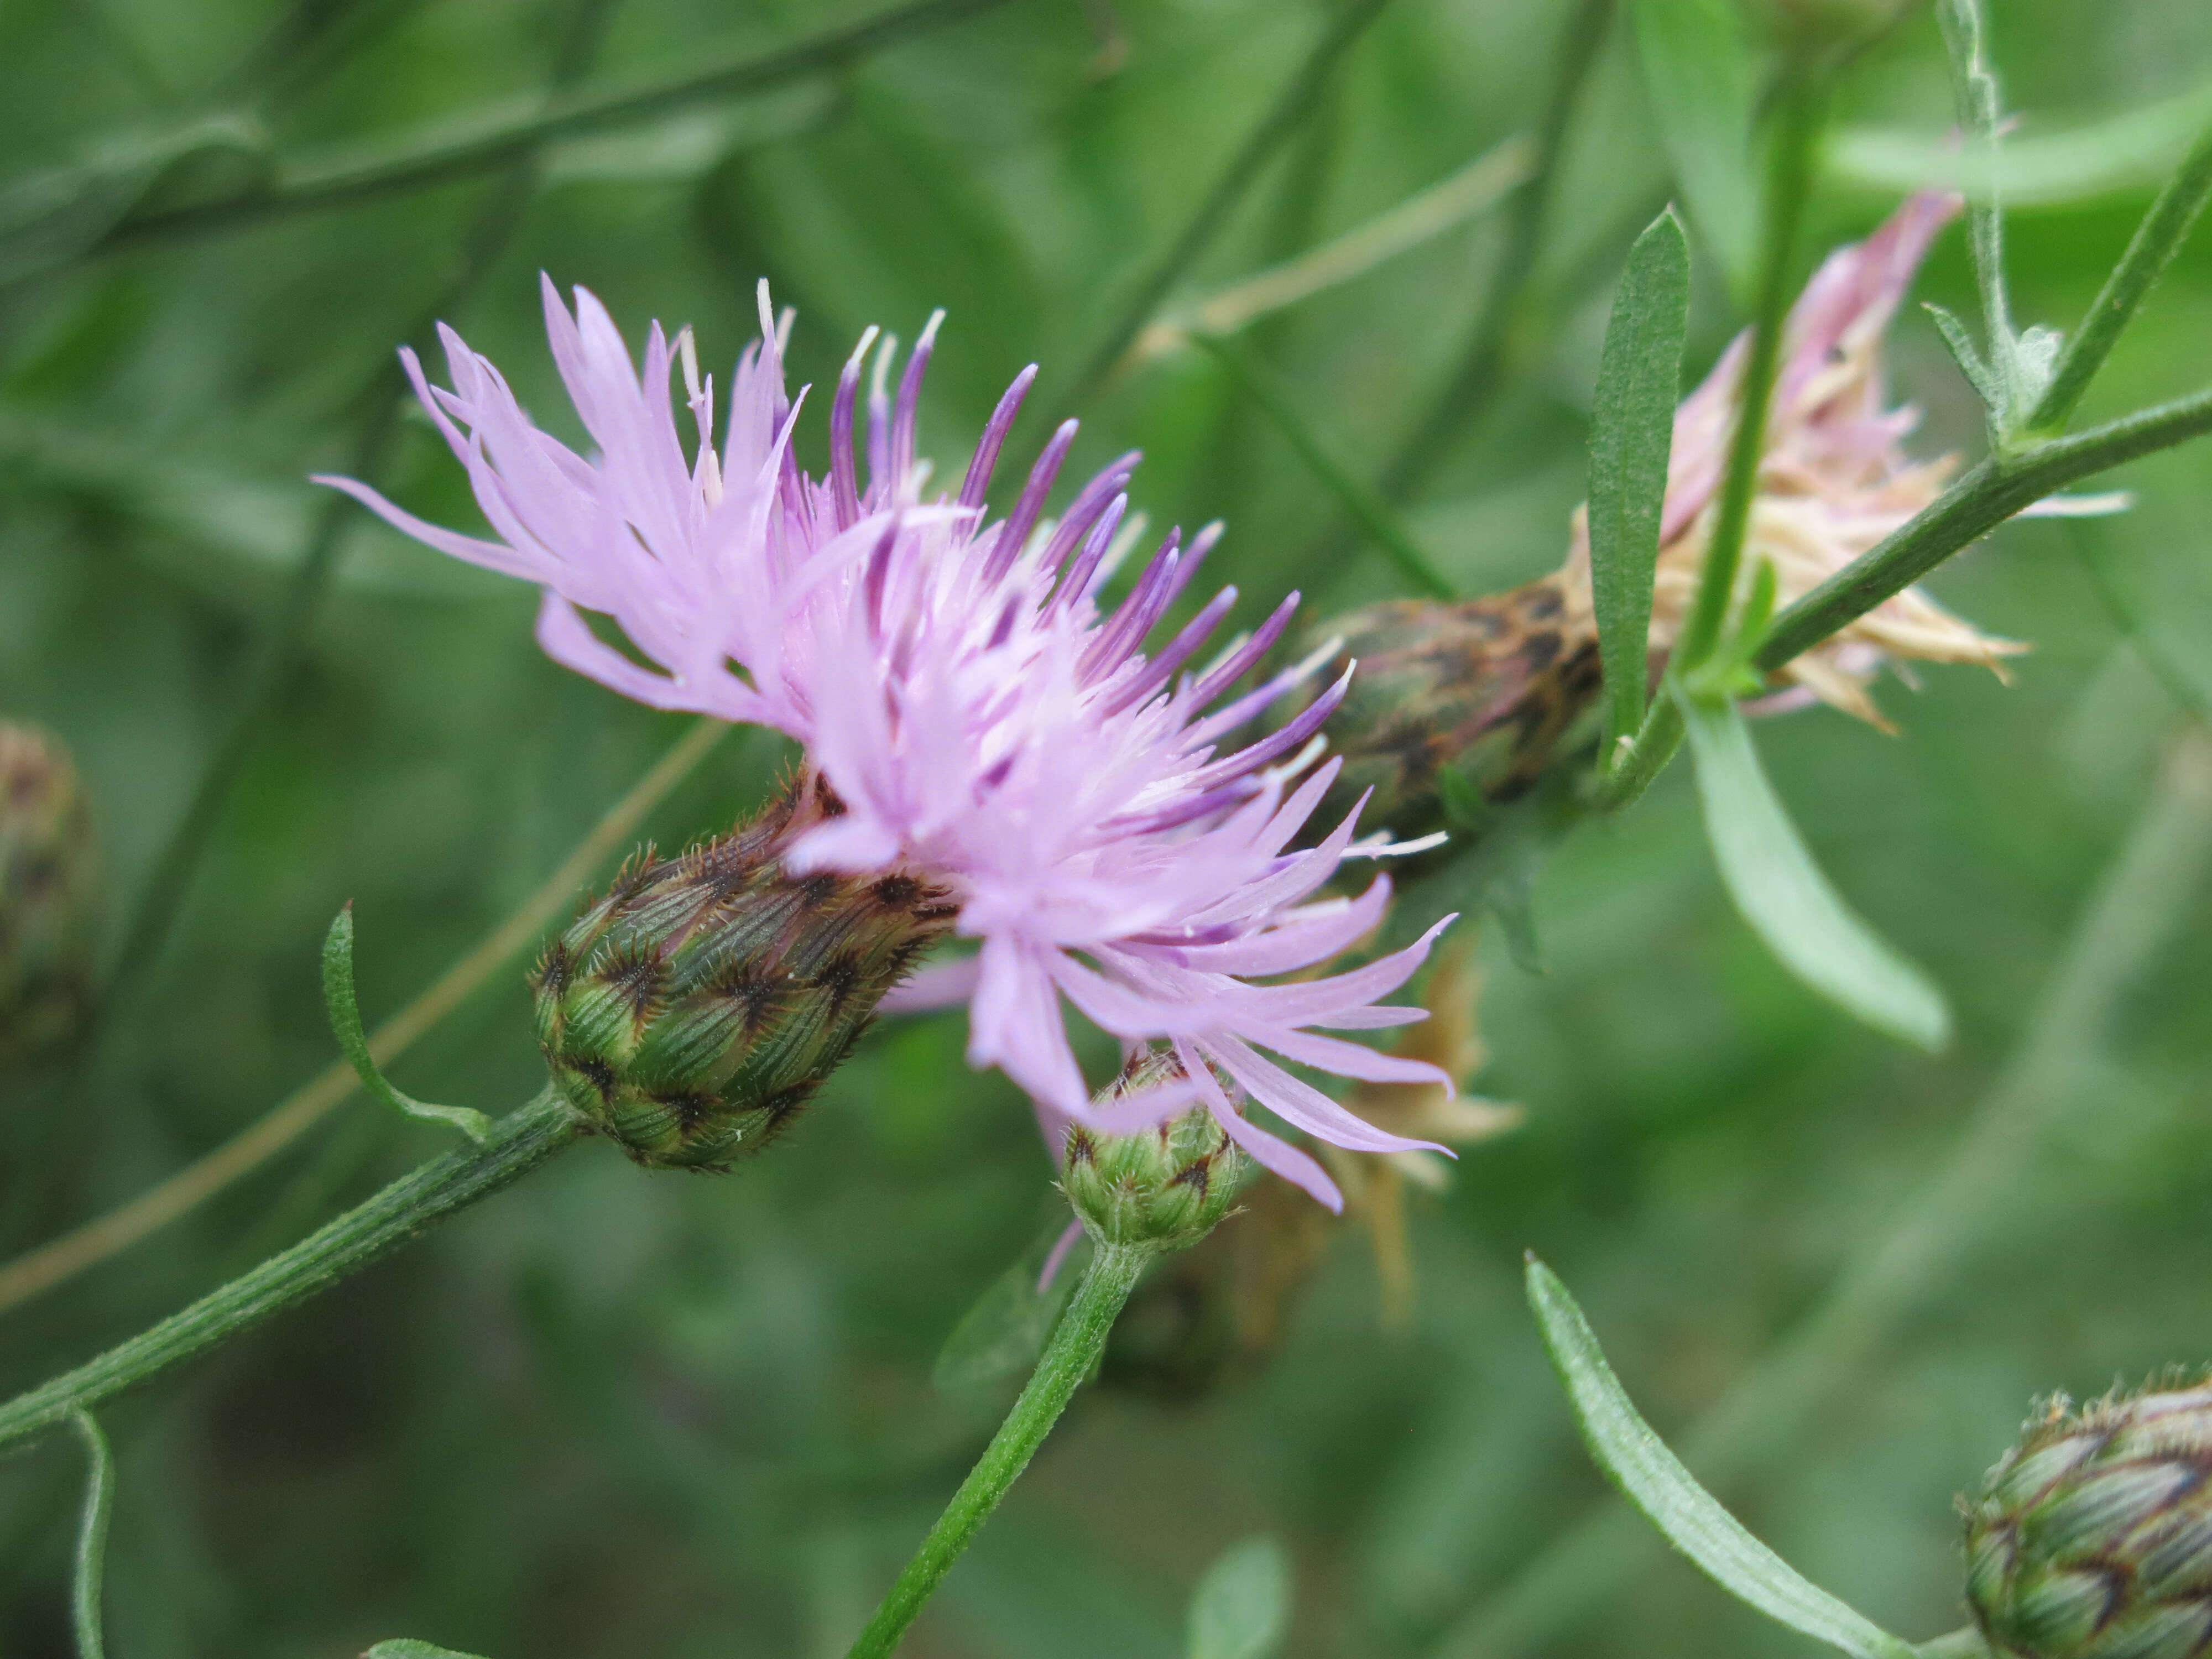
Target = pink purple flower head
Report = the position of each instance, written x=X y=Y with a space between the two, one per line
x=982 y=711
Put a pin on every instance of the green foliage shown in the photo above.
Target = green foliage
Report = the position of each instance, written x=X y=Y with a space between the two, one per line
x=1653 y=1479
x=1786 y=899
x=405 y=1647
x=1242 y=1608
x=1639 y=376
x=609 y=1416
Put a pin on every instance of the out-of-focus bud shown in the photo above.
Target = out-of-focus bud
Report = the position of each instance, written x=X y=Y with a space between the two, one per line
x=1160 y=1188
x=693 y=1011
x=49 y=892
x=1485 y=688
x=2093 y=1538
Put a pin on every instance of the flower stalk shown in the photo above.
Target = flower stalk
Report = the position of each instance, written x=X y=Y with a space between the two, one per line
x=519 y=1142
x=1069 y=1357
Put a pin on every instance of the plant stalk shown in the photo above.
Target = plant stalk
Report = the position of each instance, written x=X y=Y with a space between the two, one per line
x=520 y=1141
x=1077 y=1341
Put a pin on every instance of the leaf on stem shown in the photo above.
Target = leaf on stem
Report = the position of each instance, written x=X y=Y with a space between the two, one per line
x=1961 y=346
x=1631 y=431
x=1781 y=892
x=1003 y=1334
x=1242 y=1608
x=92 y=1537
x=1699 y=79
x=345 y=1024
x=406 y=1647
x=1653 y=1479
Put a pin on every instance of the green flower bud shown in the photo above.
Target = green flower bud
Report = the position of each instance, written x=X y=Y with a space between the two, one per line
x=1163 y=1188
x=691 y=1012
x=49 y=892
x=2093 y=1538
x=1486 y=688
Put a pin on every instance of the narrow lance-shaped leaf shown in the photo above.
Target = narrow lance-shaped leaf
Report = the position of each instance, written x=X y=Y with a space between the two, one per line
x=1653 y=1479
x=1632 y=432
x=406 y=1647
x=1242 y=1608
x=345 y=1023
x=1788 y=902
x=1701 y=82
x=91 y=1538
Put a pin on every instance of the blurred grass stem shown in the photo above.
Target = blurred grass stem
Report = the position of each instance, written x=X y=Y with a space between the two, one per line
x=62 y=1259
x=472 y=144
x=160 y=899
x=1283 y=118
x=1476 y=384
x=2136 y=910
x=1258 y=383
x=1069 y=1357
x=522 y=1141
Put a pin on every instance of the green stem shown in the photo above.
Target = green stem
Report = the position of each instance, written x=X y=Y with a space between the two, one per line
x=520 y=1141
x=1257 y=383
x=1275 y=129
x=1982 y=497
x=1789 y=169
x=1656 y=740
x=419 y=160
x=2156 y=240
x=1077 y=1341
x=86 y=1593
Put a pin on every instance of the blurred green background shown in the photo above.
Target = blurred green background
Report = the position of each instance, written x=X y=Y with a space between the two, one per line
x=625 y=1415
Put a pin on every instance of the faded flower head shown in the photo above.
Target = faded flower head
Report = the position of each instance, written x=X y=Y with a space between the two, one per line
x=2092 y=1538
x=1835 y=478
x=984 y=720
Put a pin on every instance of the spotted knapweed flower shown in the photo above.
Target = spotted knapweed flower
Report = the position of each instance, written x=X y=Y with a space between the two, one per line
x=975 y=713
x=1834 y=476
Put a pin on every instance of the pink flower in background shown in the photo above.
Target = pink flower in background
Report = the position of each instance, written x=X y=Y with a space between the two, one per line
x=981 y=717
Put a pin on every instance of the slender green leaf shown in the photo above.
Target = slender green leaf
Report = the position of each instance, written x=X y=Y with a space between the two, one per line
x=406 y=1647
x=1788 y=902
x=1700 y=81
x=1961 y=344
x=1242 y=1608
x=1631 y=431
x=92 y=1537
x=1003 y=1334
x=345 y=1023
x=1653 y=1479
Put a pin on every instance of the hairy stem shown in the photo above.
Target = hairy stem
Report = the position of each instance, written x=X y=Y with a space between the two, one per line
x=410 y=1206
x=1982 y=497
x=2156 y=240
x=1077 y=1342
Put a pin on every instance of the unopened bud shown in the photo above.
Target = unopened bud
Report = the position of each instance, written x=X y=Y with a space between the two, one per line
x=694 y=1010
x=1486 y=688
x=49 y=892
x=2093 y=1538
x=1162 y=1187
